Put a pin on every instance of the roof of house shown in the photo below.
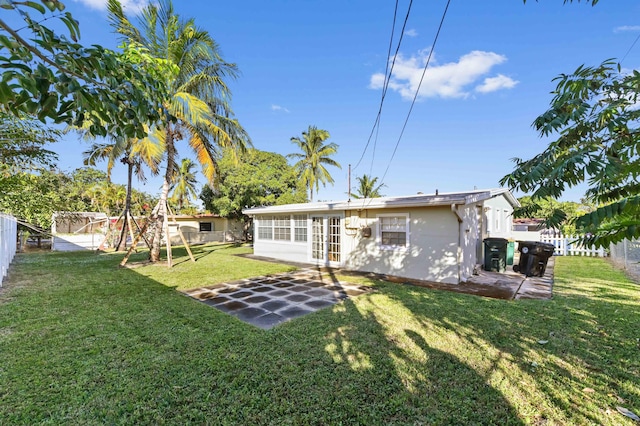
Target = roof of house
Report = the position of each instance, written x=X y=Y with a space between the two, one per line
x=527 y=221
x=197 y=216
x=418 y=200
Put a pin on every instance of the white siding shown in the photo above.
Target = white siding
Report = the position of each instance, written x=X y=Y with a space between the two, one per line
x=76 y=242
x=498 y=217
x=291 y=251
x=432 y=252
x=470 y=240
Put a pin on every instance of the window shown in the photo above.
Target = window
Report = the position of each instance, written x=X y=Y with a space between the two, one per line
x=300 y=227
x=265 y=228
x=282 y=228
x=394 y=231
x=206 y=226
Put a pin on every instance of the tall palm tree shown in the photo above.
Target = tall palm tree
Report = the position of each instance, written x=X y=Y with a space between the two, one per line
x=184 y=185
x=197 y=105
x=315 y=154
x=367 y=188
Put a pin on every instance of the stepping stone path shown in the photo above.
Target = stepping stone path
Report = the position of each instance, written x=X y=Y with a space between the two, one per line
x=270 y=300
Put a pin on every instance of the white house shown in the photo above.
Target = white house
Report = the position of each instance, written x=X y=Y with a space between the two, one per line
x=205 y=228
x=435 y=237
x=87 y=230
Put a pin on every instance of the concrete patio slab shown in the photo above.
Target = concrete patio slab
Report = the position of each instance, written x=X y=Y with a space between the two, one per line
x=268 y=301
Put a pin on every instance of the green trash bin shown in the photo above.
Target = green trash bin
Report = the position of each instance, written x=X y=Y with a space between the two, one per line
x=511 y=249
x=495 y=254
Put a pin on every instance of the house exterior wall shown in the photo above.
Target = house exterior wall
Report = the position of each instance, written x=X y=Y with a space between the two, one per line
x=470 y=239
x=222 y=230
x=498 y=215
x=291 y=250
x=435 y=241
x=431 y=254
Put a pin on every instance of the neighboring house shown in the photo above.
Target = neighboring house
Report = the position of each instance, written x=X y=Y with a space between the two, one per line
x=72 y=231
x=527 y=224
x=434 y=237
x=87 y=230
x=205 y=228
x=526 y=229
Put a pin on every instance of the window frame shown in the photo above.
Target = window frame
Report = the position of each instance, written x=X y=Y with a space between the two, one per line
x=205 y=223
x=407 y=231
x=261 y=221
x=281 y=227
x=300 y=222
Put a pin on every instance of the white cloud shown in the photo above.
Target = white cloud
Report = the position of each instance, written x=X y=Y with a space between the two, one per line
x=132 y=6
x=626 y=28
x=491 y=84
x=279 y=108
x=450 y=80
x=411 y=33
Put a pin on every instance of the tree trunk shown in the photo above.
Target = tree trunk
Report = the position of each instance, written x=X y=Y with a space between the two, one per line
x=122 y=243
x=154 y=254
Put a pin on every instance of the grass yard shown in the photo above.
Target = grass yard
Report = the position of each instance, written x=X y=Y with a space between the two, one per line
x=84 y=342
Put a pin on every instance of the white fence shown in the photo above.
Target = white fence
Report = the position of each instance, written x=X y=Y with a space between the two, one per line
x=8 y=239
x=567 y=246
x=75 y=242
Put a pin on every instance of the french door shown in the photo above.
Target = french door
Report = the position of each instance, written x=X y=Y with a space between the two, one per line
x=326 y=239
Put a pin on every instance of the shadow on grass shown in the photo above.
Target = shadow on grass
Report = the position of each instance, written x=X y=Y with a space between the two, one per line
x=84 y=342
x=576 y=354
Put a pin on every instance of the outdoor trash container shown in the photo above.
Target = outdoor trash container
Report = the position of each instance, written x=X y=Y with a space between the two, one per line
x=495 y=254
x=510 y=252
x=534 y=256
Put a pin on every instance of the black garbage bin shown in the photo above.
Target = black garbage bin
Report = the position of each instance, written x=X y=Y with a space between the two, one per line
x=495 y=254
x=534 y=256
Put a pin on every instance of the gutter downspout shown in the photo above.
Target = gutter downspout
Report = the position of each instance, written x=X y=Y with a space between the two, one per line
x=454 y=209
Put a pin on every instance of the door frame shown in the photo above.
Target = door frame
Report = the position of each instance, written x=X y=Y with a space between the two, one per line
x=325 y=240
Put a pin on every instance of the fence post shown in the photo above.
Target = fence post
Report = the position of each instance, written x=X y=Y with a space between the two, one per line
x=8 y=228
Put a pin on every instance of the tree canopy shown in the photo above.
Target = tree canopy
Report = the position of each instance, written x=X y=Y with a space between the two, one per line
x=196 y=102
x=35 y=196
x=184 y=185
x=313 y=158
x=367 y=187
x=52 y=76
x=595 y=120
x=22 y=142
x=258 y=179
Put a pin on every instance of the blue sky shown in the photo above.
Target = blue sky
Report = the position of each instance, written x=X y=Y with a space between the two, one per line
x=320 y=63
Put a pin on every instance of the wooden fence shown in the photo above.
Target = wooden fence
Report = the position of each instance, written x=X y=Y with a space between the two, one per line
x=8 y=238
x=567 y=246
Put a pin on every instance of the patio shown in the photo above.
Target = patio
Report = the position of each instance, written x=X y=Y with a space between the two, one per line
x=267 y=301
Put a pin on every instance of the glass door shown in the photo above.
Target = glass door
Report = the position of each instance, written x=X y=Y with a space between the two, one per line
x=334 y=239
x=317 y=238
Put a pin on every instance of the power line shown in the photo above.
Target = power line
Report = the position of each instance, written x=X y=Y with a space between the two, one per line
x=433 y=46
x=388 y=73
x=630 y=48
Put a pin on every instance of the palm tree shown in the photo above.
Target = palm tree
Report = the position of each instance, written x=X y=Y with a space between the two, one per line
x=184 y=185
x=367 y=188
x=134 y=153
x=315 y=154
x=197 y=105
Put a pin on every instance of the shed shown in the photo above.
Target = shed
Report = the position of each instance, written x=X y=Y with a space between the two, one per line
x=72 y=231
x=434 y=237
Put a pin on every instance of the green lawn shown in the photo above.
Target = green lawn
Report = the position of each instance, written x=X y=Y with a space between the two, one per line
x=84 y=342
